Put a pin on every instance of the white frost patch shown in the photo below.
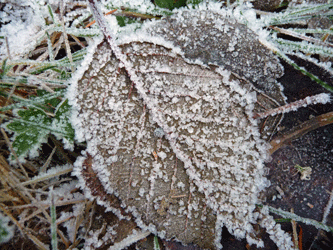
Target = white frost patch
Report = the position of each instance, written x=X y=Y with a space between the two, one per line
x=26 y=20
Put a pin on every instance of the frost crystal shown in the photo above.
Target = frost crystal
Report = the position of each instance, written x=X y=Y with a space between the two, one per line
x=179 y=147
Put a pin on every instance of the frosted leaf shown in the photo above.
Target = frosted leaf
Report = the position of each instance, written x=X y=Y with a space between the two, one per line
x=217 y=38
x=183 y=156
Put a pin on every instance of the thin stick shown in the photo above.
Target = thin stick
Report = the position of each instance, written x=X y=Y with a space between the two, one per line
x=47 y=163
x=302 y=129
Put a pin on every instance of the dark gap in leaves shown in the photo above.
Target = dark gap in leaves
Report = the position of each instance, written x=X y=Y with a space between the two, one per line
x=288 y=38
x=298 y=86
x=75 y=48
x=61 y=54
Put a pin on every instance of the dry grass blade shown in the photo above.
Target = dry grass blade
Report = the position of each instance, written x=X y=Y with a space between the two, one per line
x=68 y=49
x=13 y=152
x=46 y=177
x=47 y=163
x=24 y=77
x=5 y=169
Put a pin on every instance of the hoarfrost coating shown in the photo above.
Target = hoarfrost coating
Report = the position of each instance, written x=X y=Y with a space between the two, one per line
x=217 y=38
x=186 y=159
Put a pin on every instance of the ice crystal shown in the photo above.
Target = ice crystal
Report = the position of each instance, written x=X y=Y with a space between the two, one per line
x=175 y=140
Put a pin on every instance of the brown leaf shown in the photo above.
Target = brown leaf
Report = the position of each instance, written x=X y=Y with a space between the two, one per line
x=175 y=142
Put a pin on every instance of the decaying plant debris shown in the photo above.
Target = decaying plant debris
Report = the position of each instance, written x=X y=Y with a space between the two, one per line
x=159 y=125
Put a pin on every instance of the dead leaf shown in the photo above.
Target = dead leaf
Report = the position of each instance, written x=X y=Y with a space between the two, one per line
x=209 y=169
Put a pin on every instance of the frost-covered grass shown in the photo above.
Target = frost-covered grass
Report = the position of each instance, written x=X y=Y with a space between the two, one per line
x=42 y=45
x=37 y=60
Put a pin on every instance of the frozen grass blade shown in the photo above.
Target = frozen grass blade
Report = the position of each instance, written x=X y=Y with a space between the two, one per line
x=297 y=14
x=305 y=47
x=284 y=214
x=36 y=102
x=304 y=71
x=49 y=46
x=328 y=207
x=68 y=49
x=46 y=176
x=324 y=66
x=91 y=32
x=41 y=66
x=322 y=98
x=312 y=31
x=54 y=240
x=51 y=13
x=300 y=36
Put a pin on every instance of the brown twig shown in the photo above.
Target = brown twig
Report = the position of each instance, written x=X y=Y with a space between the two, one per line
x=302 y=129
